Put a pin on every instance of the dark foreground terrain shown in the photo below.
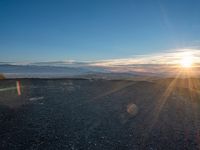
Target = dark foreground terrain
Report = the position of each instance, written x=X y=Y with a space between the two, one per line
x=100 y=114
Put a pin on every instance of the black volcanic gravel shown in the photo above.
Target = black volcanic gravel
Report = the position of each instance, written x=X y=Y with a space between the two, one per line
x=78 y=114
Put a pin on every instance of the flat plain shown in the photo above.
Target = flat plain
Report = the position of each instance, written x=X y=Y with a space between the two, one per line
x=97 y=114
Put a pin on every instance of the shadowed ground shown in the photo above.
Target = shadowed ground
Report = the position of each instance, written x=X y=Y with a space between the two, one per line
x=100 y=114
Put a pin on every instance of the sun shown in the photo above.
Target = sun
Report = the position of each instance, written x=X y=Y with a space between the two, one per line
x=186 y=61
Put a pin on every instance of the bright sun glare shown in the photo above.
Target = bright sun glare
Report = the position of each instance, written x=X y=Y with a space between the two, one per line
x=186 y=61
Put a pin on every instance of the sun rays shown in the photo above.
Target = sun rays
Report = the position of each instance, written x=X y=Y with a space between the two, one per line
x=185 y=86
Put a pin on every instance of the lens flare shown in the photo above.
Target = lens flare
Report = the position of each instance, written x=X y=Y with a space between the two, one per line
x=18 y=88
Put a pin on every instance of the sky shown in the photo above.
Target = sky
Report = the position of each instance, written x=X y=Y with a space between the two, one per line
x=92 y=30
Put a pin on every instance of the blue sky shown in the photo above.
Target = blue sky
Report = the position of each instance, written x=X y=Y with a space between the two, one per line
x=53 y=30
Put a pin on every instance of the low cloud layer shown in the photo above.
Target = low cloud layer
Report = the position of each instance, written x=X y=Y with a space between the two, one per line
x=167 y=62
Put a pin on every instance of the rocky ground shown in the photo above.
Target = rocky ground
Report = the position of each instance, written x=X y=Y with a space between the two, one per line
x=78 y=114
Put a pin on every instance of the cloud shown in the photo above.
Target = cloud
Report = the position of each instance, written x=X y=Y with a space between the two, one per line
x=169 y=58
